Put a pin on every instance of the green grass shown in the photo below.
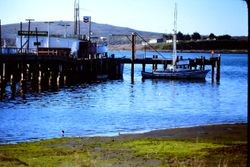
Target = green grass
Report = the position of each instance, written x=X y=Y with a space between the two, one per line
x=54 y=152
x=167 y=147
x=213 y=149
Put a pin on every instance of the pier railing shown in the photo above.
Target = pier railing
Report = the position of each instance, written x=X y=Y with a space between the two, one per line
x=14 y=51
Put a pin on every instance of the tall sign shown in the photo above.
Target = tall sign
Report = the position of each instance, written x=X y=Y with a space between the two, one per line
x=33 y=33
x=87 y=19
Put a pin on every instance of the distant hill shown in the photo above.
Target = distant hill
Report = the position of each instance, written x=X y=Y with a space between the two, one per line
x=9 y=31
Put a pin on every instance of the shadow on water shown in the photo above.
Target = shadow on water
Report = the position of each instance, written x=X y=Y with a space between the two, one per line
x=22 y=89
x=176 y=80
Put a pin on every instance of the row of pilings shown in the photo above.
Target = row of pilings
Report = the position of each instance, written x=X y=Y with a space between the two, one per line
x=19 y=75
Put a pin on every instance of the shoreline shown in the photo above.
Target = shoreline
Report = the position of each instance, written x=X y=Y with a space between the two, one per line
x=207 y=145
x=126 y=47
x=156 y=133
x=186 y=132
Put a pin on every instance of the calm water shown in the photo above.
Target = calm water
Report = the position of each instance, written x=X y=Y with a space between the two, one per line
x=113 y=107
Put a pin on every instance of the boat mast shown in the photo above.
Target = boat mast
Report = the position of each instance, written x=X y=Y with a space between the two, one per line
x=174 y=36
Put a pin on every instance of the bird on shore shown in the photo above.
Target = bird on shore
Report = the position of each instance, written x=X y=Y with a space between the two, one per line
x=62 y=133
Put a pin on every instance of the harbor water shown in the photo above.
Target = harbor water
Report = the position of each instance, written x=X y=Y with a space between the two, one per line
x=120 y=106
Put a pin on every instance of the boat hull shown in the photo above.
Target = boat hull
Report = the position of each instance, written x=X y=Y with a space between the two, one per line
x=187 y=74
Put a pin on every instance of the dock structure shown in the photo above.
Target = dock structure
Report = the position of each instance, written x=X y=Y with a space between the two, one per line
x=52 y=69
x=200 y=63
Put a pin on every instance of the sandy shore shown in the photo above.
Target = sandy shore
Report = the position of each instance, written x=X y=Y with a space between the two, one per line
x=208 y=131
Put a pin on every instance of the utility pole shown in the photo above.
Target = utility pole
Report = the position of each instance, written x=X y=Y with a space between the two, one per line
x=48 y=41
x=21 y=39
x=76 y=18
x=65 y=28
x=28 y=44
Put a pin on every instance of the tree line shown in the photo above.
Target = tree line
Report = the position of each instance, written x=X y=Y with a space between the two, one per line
x=196 y=41
x=196 y=36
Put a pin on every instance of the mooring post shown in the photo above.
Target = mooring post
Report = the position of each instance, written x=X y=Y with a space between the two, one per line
x=153 y=64
x=165 y=66
x=13 y=86
x=133 y=57
x=203 y=63
x=218 y=68
x=1 y=79
x=212 y=62
x=156 y=65
x=143 y=67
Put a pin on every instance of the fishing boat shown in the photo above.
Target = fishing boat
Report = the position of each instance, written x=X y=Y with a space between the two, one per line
x=176 y=70
x=176 y=74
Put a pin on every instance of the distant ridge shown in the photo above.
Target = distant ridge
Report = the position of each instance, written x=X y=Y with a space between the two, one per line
x=9 y=31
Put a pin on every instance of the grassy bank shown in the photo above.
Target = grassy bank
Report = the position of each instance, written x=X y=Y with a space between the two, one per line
x=215 y=145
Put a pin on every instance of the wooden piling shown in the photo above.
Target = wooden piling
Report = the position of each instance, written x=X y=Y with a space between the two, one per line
x=218 y=68
x=143 y=67
x=133 y=57
x=44 y=71
x=213 y=66
x=203 y=63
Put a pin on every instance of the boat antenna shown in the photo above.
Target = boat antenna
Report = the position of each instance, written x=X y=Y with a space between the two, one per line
x=174 y=35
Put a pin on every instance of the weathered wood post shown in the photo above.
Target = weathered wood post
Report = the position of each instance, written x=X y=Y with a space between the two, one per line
x=24 y=73
x=133 y=57
x=218 y=68
x=143 y=66
x=212 y=62
x=61 y=74
x=2 y=88
x=153 y=64
x=203 y=63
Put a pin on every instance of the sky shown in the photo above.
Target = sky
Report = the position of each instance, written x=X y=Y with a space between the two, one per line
x=204 y=16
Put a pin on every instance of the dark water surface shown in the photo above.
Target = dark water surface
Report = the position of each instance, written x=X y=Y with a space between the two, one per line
x=112 y=107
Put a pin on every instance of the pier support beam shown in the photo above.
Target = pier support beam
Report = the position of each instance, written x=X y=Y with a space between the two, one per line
x=133 y=57
x=213 y=66
x=143 y=67
x=217 y=64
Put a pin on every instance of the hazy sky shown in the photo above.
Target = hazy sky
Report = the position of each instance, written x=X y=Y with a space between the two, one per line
x=203 y=16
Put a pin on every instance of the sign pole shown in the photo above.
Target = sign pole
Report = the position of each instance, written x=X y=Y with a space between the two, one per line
x=29 y=20
x=21 y=40
x=48 y=42
x=89 y=27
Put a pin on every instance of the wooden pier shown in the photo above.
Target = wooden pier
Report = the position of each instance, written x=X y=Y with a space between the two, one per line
x=51 y=70
x=197 y=63
x=200 y=63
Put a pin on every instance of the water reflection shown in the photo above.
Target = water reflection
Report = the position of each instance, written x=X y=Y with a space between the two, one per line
x=117 y=106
